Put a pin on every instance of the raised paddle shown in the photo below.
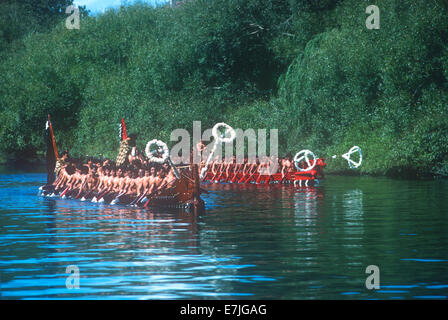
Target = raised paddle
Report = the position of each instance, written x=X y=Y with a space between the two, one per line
x=218 y=140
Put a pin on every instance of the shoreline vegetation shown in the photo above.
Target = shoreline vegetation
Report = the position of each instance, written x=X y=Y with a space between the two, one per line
x=309 y=68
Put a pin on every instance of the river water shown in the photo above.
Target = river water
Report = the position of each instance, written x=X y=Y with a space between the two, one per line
x=252 y=242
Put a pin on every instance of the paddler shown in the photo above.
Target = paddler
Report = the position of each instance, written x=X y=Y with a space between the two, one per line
x=170 y=179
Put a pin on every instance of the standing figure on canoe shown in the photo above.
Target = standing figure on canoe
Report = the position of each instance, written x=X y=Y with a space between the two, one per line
x=61 y=162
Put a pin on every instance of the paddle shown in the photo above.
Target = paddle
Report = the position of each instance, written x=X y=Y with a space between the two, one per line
x=218 y=139
x=150 y=197
x=120 y=194
x=255 y=171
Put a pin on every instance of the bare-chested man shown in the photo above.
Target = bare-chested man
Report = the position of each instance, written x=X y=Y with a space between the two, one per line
x=148 y=184
x=73 y=182
x=102 y=183
x=140 y=184
x=93 y=182
x=168 y=180
x=109 y=186
x=155 y=181
x=125 y=186
x=83 y=182
x=63 y=177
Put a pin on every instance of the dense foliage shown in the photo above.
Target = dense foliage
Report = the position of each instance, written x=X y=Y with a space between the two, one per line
x=310 y=68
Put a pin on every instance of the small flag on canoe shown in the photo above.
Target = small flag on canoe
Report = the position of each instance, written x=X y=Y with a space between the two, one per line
x=52 y=151
x=123 y=133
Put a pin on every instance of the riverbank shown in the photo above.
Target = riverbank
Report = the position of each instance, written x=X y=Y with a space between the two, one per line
x=394 y=173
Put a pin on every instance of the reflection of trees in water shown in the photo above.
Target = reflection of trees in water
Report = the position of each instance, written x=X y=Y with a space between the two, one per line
x=274 y=228
x=320 y=215
x=259 y=195
x=347 y=243
x=307 y=217
x=49 y=208
x=350 y=218
x=353 y=223
x=305 y=200
x=149 y=251
x=353 y=207
x=275 y=196
x=347 y=210
x=305 y=208
x=247 y=226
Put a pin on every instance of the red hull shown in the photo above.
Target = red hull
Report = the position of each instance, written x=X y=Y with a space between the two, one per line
x=307 y=176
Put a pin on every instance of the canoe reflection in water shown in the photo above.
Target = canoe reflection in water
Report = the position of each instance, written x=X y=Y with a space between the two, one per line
x=156 y=228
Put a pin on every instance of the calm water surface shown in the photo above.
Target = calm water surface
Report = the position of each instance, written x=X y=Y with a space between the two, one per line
x=252 y=242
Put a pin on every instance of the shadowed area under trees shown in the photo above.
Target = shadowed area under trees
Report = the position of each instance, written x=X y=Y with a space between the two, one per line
x=310 y=68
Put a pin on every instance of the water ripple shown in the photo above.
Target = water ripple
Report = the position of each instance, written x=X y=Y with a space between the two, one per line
x=252 y=242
